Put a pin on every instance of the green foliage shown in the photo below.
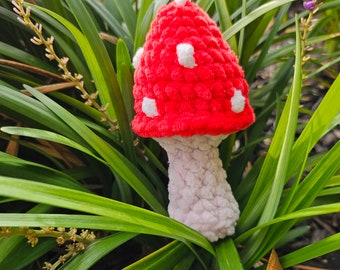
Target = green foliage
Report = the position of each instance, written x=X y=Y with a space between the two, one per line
x=61 y=165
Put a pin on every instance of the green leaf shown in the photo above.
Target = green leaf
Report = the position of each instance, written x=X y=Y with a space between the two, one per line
x=283 y=52
x=158 y=4
x=16 y=253
x=255 y=33
x=293 y=234
x=269 y=185
x=128 y=15
x=317 y=179
x=98 y=62
x=17 y=167
x=27 y=108
x=227 y=255
x=24 y=57
x=186 y=263
x=250 y=74
x=117 y=162
x=24 y=254
x=143 y=22
x=225 y=22
x=56 y=6
x=269 y=96
x=8 y=246
x=242 y=23
x=286 y=131
x=112 y=22
x=322 y=247
x=106 y=214
x=320 y=123
x=49 y=136
x=165 y=258
x=205 y=4
x=96 y=56
x=80 y=106
x=97 y=250
x=65 y=44
x=104 y=75
x=125 y=77
x=300 y=214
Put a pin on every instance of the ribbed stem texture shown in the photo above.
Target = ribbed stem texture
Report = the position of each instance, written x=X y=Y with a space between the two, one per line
x=199 y=194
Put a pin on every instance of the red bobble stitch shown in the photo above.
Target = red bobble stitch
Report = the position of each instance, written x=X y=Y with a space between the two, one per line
x=187 y=91
x=203 y=91
x=190 y=76
x=204 y=73
x=176 y=73
x=172 y=90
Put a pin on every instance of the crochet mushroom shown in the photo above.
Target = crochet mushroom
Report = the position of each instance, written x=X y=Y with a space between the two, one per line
x=190 y=93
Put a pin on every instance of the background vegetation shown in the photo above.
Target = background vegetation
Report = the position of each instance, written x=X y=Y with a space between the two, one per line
x=70 y=160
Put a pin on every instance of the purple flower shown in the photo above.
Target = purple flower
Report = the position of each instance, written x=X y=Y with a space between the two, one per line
x=309 y=5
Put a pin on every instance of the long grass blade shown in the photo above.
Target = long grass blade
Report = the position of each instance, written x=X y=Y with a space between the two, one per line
x=276 y=162
x=277 y=159
x=225 y=22
x=242 y=23
x=227 y=255
x=33 y=112
x=117 y=162
x=144 y=18
x=108 y=214
x=286 y=129
x=165 y=258
x=97 y=250
x=17 y=167
x=24 y=254
x=324 y=246
x=320 y=123
x=128 y=15
x=49 y=136
x=112 y=22
x=300 y=214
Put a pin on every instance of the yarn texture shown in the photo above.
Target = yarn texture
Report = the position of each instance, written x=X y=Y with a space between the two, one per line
x=190 y=72
x=199 y=194
x=190 y=93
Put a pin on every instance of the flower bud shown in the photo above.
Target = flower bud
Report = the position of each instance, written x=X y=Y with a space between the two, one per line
x=309 y=5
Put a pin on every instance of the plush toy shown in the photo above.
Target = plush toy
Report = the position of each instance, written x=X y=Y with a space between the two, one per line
x=190 y=93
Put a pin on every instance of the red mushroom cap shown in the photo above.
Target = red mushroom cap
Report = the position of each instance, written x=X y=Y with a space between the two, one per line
x=188 y=81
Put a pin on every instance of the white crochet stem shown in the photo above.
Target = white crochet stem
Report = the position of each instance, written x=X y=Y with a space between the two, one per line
x=199 y=194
